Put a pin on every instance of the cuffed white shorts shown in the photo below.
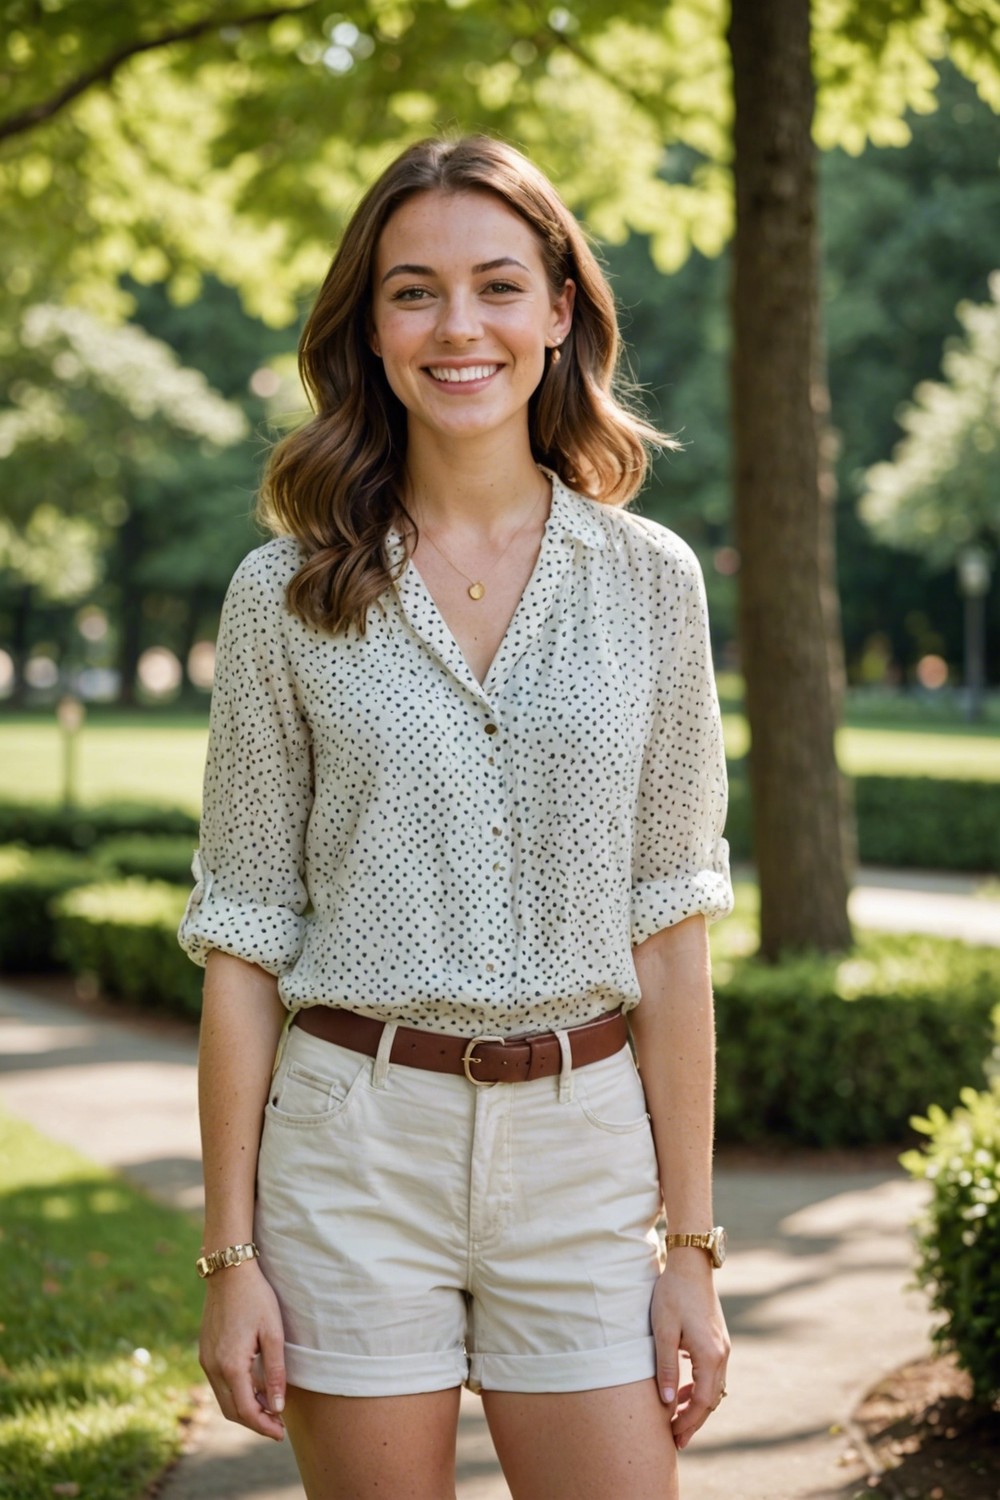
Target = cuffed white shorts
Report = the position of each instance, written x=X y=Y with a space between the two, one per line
x=422 y=1233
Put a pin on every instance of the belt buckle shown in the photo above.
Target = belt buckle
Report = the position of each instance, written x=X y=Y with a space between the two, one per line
x=468 y=1060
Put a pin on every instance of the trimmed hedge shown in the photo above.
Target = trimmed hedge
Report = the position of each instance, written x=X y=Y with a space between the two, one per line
x=913 y=822
x=959 y=1241
x=29 y=879
x=83 y=827
x=934 y=825
x=153 y=856
x=124 y=934
x=828 y=1052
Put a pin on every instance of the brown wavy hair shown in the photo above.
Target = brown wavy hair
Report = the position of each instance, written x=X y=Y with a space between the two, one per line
x=337 y=482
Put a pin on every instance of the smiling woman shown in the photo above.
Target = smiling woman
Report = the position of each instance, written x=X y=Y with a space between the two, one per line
x=464 y=803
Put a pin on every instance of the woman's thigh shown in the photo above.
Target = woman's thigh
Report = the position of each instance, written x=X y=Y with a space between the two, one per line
x=584 y=1445
x=374 y=1447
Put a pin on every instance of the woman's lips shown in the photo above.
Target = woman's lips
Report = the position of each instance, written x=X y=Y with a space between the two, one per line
x=462 y=377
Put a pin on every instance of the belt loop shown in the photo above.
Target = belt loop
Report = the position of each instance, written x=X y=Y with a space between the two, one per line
x=566 y=1071
x=380 y=1068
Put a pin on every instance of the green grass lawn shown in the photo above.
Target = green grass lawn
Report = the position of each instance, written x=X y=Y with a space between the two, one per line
x=158 y=761
x=100 y=1318
x=159 y=755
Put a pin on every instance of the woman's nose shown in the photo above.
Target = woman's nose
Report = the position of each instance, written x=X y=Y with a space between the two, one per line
x=458 y=320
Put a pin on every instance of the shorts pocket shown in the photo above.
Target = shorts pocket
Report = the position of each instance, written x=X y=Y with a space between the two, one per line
x=312 y=1087
x=611 y=1095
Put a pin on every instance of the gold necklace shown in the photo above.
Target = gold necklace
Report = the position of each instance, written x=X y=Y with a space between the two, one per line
x=477 y=588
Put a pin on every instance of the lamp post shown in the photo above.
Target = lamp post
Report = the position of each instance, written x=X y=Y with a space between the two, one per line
x=974 y=585
x=70 y=714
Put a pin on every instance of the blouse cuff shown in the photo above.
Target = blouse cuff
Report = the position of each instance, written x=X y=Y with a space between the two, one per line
x=656 y=904
x=269 y=935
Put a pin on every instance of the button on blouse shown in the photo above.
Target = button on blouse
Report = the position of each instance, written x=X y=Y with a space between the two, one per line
x=381 y=831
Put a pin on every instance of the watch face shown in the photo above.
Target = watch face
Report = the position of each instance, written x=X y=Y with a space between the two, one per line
x=720 y=1244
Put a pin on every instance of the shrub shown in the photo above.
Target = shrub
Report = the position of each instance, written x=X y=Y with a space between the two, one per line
x=154 y=856
x=83 y=827
x=841 y=1052
x=922 y=822
x=959 y=1242
x=125 y=934
x=29 y=879
x=917 y=822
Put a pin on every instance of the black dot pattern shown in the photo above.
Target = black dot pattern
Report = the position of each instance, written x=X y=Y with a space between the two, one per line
x=382 y=832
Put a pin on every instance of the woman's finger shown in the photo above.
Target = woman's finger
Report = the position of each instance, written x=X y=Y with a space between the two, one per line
x=272 y=1363
x=696 y=1403
x=668 y=1363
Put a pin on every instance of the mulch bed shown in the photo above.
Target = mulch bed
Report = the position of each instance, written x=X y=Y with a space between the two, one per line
x=927 y=1439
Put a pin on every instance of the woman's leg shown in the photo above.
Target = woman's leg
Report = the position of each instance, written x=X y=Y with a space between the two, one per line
x=374 y=1447
x=585 y=1445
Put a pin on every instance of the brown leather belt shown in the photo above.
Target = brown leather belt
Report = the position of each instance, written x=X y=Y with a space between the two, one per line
x=495 y=1059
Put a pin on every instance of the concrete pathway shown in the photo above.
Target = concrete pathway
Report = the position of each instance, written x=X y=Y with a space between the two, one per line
x=816 y=1290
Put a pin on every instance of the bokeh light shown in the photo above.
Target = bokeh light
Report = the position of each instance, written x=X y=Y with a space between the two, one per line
x=265 y=382
x=159 y=671
x=92 y=623
x=932 y=671
x=41 y=672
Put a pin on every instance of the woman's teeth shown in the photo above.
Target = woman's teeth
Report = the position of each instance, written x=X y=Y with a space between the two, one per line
x=469 y=372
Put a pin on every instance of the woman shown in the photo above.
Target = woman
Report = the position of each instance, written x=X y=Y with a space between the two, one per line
x=463 y=809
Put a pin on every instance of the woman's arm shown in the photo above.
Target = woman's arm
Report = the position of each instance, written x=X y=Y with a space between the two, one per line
x=674 y=1033
x=241 y=1022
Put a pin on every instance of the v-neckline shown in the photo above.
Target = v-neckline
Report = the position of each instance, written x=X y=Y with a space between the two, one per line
x=486 y=682
x=425 y=619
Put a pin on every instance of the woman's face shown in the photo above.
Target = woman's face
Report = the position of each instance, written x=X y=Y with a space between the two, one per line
x=462 y=313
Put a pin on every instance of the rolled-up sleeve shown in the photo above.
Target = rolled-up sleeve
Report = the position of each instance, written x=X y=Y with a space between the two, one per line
x=680 y=859
x=250 y=897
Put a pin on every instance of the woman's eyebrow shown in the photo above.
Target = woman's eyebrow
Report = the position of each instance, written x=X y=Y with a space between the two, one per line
x=486 y=265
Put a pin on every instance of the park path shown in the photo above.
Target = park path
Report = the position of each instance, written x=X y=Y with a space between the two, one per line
x=816 y=1290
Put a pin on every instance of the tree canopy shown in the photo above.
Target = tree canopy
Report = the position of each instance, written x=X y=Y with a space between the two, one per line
x=91 y=413
x=941 y=491
x=162 y=142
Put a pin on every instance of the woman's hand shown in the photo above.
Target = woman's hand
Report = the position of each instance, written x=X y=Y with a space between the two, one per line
x=242 y=1348
x=686 y=1315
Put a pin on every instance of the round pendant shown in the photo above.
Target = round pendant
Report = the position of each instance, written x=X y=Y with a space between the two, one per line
x=477 y=590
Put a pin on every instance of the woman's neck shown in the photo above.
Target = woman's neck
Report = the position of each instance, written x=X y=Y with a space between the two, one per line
x=476 y=488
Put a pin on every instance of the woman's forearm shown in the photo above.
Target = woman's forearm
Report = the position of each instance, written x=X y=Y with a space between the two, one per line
x=674 y=1037
x=242 y=1018
x=673 y=1028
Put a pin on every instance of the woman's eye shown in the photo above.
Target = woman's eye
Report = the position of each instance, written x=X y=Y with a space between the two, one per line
x=411 y=294
x=502 y=286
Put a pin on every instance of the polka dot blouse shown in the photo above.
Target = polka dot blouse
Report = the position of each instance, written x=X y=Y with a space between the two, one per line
x=382 y=832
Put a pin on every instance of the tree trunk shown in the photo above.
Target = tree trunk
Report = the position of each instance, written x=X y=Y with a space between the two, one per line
x=790 y=642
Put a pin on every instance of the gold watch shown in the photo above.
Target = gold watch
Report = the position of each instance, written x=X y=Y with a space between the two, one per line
x=232 y=1255
x=713 y=1243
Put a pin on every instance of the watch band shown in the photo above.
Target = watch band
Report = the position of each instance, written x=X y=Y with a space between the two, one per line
x=713 y=1242
x=232 y=1255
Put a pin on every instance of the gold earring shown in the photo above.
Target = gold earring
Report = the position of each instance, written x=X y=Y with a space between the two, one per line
x=556 y=354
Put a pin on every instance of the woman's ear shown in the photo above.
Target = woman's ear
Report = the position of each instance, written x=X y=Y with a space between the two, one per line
x=562 y=311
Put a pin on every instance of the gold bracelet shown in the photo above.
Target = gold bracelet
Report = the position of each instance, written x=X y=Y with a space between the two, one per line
x=232 y=1255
